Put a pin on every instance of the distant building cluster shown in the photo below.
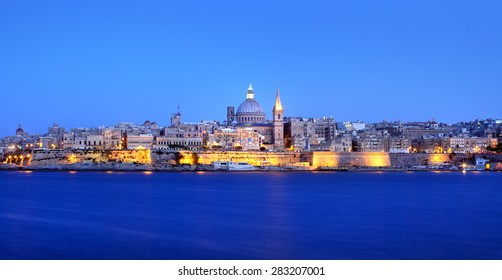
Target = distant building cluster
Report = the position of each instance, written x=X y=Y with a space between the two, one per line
x=247 y=129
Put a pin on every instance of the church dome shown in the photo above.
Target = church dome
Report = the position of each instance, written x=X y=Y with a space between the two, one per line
x=250 y=111
x=20 y=131
x=250 y=107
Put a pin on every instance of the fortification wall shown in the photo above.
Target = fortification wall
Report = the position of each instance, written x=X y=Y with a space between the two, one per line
x=53 y=157
x=427 y=159
x=254 y=158
x=333 y=159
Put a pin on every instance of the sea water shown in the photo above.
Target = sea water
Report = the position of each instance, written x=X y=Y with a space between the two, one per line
x=255 y=215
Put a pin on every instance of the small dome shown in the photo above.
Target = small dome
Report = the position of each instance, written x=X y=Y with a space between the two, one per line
x=147 y=123
x=20 y=131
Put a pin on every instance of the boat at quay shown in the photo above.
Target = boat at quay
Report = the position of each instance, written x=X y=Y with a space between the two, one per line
x=232 y=166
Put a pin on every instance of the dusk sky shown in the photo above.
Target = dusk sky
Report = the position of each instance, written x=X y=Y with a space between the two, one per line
x=92 y=63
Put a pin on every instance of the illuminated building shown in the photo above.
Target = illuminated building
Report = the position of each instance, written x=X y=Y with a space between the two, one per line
x=178 y=143
x=142 y=141
x=250 y=115
x=235 y=139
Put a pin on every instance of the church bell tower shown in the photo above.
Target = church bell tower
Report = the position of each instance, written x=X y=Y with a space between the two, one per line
x=278 y=122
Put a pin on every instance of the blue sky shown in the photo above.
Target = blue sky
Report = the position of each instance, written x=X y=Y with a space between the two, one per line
x=91 y=63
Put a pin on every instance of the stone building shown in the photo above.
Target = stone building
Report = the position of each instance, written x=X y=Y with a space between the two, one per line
x=142 y=141
x=178 y=143
x=238 y=138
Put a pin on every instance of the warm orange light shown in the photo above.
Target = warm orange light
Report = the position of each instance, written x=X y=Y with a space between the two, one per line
x=73 y=159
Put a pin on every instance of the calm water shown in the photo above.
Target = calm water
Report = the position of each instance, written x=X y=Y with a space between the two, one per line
x=49 y=215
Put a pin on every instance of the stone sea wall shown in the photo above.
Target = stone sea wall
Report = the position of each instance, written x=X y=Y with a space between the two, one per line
x=55 y=157
x=61 y=157
x=254 y=158
x=428 y=159
x=312 y=160
x=363 y=159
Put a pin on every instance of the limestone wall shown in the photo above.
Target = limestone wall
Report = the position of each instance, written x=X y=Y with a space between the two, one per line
x=51 y=157
x=315 y=159
x=333 y=159
x=134 y=156
x=254 y=158
x=427 y=159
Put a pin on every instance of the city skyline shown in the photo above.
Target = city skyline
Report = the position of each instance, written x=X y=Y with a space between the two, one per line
x=222 y=121
x=91 y=64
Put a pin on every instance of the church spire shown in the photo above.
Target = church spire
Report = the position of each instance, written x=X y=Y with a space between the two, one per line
x=278 y=105
x=278 y=123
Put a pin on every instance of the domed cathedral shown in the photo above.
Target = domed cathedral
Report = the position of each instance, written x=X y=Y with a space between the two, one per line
x=251 y=115
x=20 y=132
x=250 y=111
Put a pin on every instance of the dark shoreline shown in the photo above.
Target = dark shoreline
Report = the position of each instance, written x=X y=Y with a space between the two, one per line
x=181 y=168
